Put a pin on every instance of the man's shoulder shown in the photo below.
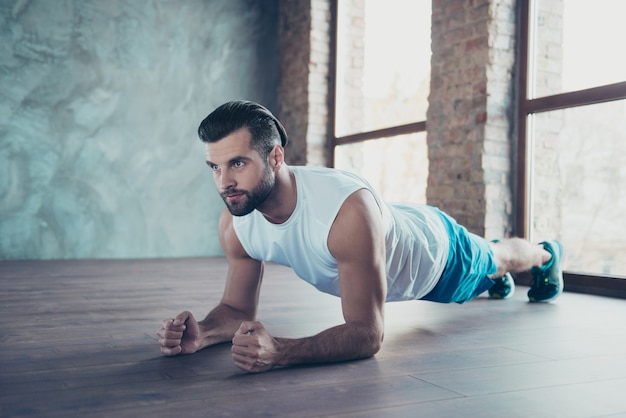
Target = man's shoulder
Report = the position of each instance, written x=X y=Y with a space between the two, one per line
x=358 y=212
x=321 y=176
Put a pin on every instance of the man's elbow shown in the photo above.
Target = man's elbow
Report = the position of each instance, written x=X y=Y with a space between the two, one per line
x=366 y=339
x=374 y=344
x=373 y=349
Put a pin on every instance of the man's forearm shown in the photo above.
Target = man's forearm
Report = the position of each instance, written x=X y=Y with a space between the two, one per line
x=344 y=342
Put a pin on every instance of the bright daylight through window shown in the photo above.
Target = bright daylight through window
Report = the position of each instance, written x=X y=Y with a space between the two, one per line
x=383 y=80
x=578 y=158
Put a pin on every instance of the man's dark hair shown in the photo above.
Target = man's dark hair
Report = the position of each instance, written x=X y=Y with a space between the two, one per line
x=265 y=130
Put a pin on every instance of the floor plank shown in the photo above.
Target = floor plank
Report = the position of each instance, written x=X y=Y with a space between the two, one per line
x=78 y=338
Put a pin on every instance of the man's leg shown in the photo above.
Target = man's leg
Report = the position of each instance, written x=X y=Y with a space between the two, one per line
x=543 y=260
x=515 y=255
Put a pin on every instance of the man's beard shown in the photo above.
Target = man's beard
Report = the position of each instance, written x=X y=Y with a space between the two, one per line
x=252 y=199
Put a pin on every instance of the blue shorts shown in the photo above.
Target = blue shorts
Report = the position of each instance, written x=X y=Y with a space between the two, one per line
x=470 y=261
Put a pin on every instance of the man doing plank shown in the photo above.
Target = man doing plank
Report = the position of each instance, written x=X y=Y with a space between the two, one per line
x=336 y=233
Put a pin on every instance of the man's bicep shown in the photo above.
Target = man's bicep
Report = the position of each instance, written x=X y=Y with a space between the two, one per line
x=244 y=276
x=357 y=241
x=243 y=283
x=363 y=291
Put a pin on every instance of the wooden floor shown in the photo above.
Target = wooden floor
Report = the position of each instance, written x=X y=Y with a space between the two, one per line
x=77 y=338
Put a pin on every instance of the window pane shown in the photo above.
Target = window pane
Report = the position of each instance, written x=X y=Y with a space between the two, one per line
x=397 y=167
x=383 y=64
x=578 y=184
x=578 y=45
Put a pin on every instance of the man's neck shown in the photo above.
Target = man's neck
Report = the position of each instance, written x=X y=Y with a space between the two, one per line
x=280 y=205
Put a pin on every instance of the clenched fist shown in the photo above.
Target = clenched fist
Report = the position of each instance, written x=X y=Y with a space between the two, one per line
x=254 y=349
x=180 y=335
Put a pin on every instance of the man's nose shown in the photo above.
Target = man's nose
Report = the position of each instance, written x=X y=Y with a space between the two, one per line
x=227 y=181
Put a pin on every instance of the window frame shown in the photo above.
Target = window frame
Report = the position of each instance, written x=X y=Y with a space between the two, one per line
x=605 y=285
x=334 y=141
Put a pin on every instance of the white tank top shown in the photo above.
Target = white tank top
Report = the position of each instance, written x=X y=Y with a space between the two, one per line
x=416 y=239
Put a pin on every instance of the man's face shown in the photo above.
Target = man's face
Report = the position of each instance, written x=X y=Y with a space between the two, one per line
x=243 y=178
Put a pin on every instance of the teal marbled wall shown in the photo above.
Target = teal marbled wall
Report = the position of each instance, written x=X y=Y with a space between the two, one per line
x=99 y=106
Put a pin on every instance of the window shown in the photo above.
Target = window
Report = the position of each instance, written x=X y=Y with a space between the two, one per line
x=381 y=85
x=572 y=136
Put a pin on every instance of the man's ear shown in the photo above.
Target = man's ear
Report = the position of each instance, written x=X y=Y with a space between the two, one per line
x=277 y=157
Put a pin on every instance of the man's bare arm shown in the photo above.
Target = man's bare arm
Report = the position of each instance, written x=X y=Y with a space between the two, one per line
x=357 y=243
x=184 y=335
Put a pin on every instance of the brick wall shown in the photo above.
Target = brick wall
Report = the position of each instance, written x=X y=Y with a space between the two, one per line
x=470 y=107
x=470 y=129
x=304 y=28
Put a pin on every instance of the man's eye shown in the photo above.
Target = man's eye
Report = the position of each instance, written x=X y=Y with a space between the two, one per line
x=238 y=164
x=214 y=167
